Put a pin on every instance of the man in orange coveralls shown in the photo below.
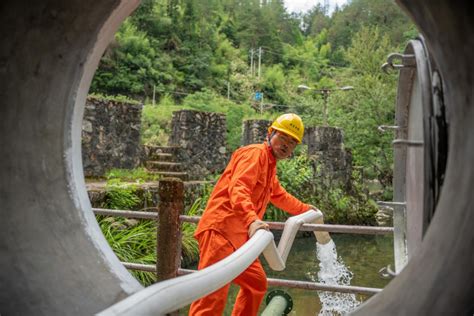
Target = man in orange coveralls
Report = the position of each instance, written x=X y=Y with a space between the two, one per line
x=235 y=211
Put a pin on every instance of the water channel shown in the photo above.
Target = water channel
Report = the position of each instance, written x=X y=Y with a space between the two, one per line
x=363 y=255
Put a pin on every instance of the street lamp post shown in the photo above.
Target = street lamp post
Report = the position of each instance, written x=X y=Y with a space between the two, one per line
x=325 y=93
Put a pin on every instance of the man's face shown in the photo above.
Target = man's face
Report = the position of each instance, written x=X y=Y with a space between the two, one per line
x=282 y=145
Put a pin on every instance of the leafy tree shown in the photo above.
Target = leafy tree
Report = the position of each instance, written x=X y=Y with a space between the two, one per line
x=358 y=13
x=195 y=53
x=131 y=66
x=297 y=176
x=370 y=104
x=310 y=59
x=273 y=82
x=316 y=20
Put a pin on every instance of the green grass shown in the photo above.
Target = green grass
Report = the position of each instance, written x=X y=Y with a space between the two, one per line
x=134 y=243
x=137 y=175
x=135 y=240
x=116 y=98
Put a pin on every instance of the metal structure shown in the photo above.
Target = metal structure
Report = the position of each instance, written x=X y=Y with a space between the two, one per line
x=274 y=226
x=325 y=92
x=420 y=140
x=53 y=258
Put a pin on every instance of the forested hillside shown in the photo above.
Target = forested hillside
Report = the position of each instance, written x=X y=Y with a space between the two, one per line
x=221 y=55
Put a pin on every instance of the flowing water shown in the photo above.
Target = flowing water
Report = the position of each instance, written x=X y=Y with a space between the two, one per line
x=332 y=271
x=357 y=260
x=352 y=258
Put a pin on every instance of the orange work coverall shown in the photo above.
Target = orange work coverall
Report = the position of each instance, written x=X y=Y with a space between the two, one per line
x=239 y=198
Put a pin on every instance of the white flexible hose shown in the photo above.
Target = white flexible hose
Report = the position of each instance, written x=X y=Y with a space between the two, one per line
x=276 y=257
x=170 y=295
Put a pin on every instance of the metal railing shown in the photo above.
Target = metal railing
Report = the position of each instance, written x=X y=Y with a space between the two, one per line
x=331 y=228
x=170 y=295
x=295 y=284
x=168 y=219
x=306 y=285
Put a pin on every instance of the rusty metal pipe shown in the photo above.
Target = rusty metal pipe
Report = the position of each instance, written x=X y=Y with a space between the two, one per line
x=313 y=286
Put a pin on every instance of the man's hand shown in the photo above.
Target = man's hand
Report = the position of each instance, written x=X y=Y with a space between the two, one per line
x=258 y=224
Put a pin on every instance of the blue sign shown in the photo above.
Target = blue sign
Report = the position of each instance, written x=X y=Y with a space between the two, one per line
x=258 y=96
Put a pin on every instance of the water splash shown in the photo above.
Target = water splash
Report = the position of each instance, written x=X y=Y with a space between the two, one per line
x=332 y=271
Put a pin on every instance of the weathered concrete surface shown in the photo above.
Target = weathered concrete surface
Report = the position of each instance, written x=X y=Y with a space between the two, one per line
x=53 y=258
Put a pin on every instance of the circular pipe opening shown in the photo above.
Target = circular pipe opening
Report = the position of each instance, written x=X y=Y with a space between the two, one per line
x=53 y=257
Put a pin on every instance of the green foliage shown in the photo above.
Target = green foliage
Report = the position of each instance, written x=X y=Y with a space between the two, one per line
x=235 y=116
x=368 y=48
x=344 y=205
x=273 y=83
x=156 y=121
x=132 y=241
x=359 y=13
x=297 y=176
x=118 y=98
x=137 y=175
x=124 y=190
x=309 y=59
x=193 y=54
x=349 y=209
x=208 y=101
x=135 y=240
x=370 y=104
x=120 y=196
x=131 y=65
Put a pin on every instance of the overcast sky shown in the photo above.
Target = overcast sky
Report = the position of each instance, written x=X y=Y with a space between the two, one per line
x=305 y=5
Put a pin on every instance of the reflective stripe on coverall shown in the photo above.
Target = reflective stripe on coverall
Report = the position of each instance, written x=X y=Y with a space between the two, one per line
x=239 y=198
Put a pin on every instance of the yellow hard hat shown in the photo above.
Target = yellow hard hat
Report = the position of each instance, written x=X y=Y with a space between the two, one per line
x=290 y=124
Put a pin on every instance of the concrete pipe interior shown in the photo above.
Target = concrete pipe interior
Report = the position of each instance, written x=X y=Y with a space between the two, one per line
x=53 y=257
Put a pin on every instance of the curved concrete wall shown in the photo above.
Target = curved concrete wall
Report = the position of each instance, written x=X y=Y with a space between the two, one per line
x=53 y=258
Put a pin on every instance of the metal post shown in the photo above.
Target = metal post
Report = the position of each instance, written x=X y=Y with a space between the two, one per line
x=325 y=109
x=171 y=205
x=251 y=62
x=259 y=60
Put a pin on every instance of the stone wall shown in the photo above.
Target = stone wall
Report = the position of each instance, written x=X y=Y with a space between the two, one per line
x=254 y=131
x=332 y=162
x=110 y=136
x=147 y=192
x=202 y=137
